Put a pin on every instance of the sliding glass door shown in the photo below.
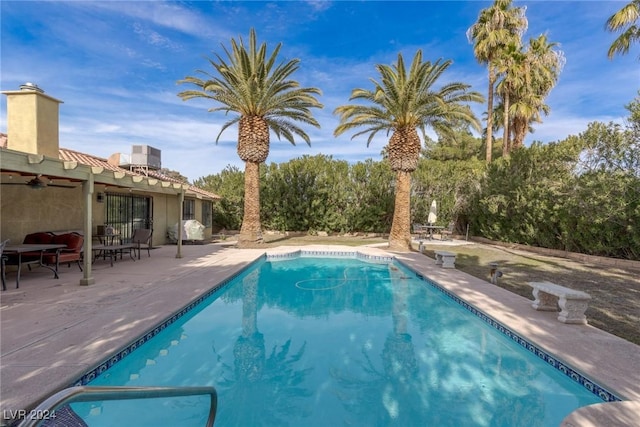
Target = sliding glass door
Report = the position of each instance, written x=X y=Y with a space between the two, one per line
x=128 y=212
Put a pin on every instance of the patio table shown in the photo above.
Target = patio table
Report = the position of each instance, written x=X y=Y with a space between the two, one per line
x=22 y=248
x=431 y=229
x=112 y=251
x=108 y=239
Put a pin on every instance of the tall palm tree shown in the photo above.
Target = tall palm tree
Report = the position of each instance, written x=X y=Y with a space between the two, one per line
x=497 y=27
x=513 y=68
x=627 y=21
x=541 y=66
x=261 y=93
x=401 y=103
x=527 y=77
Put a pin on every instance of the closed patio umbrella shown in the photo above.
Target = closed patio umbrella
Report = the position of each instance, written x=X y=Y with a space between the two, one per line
x=433 y=213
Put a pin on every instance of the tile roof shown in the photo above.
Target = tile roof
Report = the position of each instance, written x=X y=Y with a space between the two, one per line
x=89 y=160
x=197 y=190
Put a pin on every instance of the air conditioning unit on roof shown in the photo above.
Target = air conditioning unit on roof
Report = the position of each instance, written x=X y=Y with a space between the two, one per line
x=145 y=156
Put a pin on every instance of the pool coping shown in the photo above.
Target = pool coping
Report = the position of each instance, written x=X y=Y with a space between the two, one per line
x=606 y=359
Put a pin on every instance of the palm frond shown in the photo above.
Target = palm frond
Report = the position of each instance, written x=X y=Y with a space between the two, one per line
x=406 y=99
x=249 y=81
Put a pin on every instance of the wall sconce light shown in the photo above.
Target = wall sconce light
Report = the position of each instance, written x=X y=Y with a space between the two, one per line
x=100 y=197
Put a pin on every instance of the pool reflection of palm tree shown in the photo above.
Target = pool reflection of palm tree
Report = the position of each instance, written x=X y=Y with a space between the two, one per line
x=389 y=396
x=261 y=390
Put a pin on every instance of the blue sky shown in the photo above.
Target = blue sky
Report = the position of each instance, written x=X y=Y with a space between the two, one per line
x=116 y=64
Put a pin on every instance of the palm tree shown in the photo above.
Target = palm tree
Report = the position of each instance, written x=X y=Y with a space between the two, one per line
x=497 y=27
x=528 y=75
x=402 y=102
x=626 y=21
x=513 y=68
x=542 y=66
x=264 y=98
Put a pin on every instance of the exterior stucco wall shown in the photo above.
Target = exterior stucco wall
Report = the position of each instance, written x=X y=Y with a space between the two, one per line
x=161 y=217
x=24 y=210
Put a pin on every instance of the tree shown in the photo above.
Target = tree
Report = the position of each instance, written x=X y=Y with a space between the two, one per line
x=625 y=21
x=174 y=175
x=497 y=27
x=401 y=103
x=459 y=144
x=543 y=64
x=513 y=67
x=228 y=184
x=265 y=99
x=528 y=75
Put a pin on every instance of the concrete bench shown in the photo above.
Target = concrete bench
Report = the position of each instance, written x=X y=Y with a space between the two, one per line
x=445 y=259
x=548 y=296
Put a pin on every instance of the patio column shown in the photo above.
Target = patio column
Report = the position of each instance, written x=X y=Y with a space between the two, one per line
x=87 y=192
x=180 y=210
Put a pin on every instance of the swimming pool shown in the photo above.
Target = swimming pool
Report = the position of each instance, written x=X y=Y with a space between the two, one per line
x=339 y=341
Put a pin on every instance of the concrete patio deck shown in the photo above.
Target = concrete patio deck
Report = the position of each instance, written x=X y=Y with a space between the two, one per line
x=53 y=331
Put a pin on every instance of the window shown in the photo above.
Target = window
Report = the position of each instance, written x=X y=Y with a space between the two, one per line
x=207 y=213
x=189 y=209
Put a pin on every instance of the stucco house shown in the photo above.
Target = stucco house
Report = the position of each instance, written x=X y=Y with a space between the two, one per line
x=48 y=188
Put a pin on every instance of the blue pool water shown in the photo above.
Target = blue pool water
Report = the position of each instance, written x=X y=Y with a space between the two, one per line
x=337 y=342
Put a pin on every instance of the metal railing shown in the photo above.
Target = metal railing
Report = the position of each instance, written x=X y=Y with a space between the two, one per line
x=90 y=394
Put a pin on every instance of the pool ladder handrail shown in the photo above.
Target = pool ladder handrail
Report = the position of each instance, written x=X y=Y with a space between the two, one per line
x=95 y=393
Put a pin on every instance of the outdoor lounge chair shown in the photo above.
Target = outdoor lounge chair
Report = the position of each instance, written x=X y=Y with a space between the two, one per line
x=142 y=236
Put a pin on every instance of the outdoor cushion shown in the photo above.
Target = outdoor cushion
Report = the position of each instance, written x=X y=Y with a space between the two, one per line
x=40 y=238
x=72 y=253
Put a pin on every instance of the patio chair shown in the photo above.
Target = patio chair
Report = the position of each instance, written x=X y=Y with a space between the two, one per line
x=3 y=260
x=419 y=230
x=447 y=233
x=142 y=236
x=72 y=253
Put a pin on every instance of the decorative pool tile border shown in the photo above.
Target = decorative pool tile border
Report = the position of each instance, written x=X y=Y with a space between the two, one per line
x=303 y=253
x=591 y=386
x=127 y=349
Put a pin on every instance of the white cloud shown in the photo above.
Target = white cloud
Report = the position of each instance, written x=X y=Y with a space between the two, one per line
x=169 y=15
x=154 y=38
